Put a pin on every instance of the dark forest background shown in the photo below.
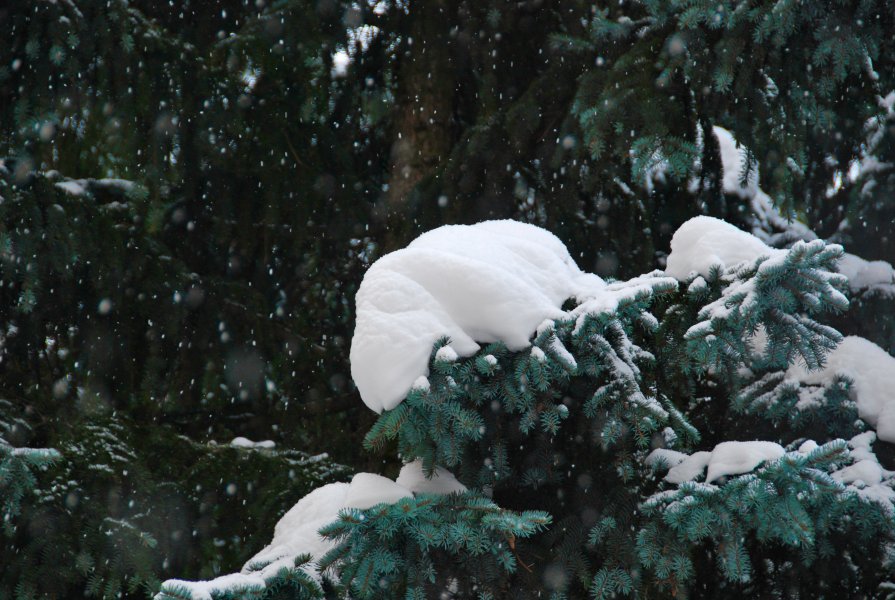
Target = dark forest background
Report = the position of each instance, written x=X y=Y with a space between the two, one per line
x=190 y=193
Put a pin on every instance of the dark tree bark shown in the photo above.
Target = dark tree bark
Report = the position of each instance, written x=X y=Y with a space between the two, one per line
x=423 y=131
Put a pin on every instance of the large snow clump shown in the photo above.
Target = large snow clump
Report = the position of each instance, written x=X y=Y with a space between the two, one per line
x=496 y=280
x=296 y=532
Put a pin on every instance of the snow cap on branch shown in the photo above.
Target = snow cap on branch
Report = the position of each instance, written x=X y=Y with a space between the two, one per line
x=442 y=481
x=706 y=242
x=297 y=532
x=492 y=281
x=872 y=372
x=727 y=458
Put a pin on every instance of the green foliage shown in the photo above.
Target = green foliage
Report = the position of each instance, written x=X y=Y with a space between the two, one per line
x=123 y=505
x=417 y=546
x=779 y=72
x=781 y=293
x=17 y=466
x=791 y=502
x=811 y=410
x=190 y=197
x=539 y=427
x=478 y=402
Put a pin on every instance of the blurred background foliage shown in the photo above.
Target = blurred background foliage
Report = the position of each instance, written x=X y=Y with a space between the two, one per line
x=191 y=191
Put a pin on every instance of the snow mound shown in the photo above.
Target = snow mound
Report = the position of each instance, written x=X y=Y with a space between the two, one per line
x=706 y=242
x=296 y=532
x=688 y=469
x=876 y=275
x=866 y=476
x=414 y=479
x=496 y=280
x=872 y=371
x=735 y=458
x=368 y=490
x=728 y=458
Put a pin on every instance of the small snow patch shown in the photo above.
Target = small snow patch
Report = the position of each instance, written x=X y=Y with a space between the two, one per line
x=690 y=468
x=727 y=458
x=242 y=442
x=735 y=458
x=446 y=354
x=442 y=481
x=671 y=458
x=72 y=187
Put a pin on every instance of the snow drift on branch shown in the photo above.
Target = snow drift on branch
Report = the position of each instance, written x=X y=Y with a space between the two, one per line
x=876 y=276
x=296 y=533
x=703 y=243
x=872 y=372
x=481 y=283
x=728 y=458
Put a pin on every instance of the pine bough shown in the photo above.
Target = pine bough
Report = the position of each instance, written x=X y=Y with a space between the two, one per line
x=553 y=442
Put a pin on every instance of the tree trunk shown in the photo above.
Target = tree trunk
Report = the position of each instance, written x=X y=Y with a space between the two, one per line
x=422 y=126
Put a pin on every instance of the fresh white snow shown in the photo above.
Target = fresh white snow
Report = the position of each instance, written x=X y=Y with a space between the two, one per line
x=368 y=490
x=871 y=369
x=671 y=458
x=689 y=469
x=735 y=458
x=706 y=242
x=538 y=354
x=733 y=163
x=868 y=472
x=72 y=187
x=446 y=354
x=866 y=477
x=296 y=532
x=203 y=590
x=496 y=280
x=421 y=383
x=876 y=275
x=414 y=479
x=727 y=458
x=807 y=447
x=241 y=442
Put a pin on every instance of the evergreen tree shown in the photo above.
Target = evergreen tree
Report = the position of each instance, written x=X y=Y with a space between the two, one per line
x=563 y=445
x=189 y=198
